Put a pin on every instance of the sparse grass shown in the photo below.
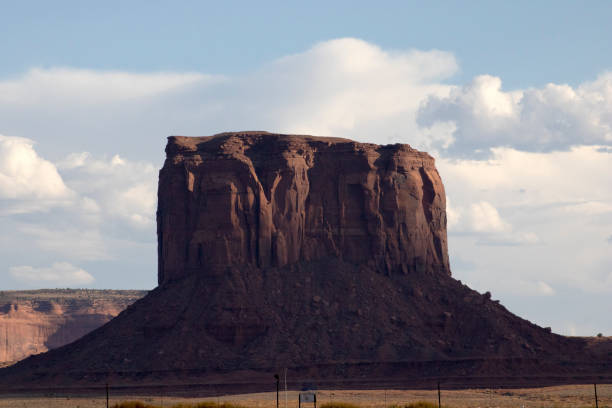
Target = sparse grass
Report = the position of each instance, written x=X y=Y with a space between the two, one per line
x=133 y=404
x=206 y=404
x=569 y=396
x=339 y=404
x=418 y=404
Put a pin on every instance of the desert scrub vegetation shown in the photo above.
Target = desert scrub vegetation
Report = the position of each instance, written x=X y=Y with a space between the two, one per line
x=418 y=404
x=206 y=404
x=339 y=404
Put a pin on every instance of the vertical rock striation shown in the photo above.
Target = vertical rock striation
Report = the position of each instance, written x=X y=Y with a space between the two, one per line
x=267 y=200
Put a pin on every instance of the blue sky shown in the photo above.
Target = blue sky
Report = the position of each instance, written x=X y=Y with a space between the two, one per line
x=513 y=99
x=525 y=42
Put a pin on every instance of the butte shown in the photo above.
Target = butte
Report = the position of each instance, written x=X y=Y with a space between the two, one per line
x=322 y=256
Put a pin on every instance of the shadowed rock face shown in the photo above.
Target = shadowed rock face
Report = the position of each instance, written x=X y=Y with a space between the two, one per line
x=264 y=200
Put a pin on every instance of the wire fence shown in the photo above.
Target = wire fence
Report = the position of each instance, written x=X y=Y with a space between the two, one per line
x=574 y=396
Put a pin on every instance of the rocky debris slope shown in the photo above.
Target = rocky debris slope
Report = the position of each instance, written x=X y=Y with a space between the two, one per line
x=323 y=256
x=33 y=322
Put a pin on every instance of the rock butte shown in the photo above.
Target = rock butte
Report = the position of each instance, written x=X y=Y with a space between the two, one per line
x=323 y=256
x=262 y=200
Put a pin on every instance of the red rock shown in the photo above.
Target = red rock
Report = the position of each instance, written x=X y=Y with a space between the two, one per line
x=265 y=200
x=33 y=322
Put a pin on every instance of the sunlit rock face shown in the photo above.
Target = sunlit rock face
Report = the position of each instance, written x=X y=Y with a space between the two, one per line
x=268 y=200
x=33 y=322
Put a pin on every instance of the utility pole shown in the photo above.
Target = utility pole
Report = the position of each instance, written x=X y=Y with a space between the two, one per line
x=285 y=387
x=106 y=395
x=439 y=398
x=596 y=402
x=277 y=383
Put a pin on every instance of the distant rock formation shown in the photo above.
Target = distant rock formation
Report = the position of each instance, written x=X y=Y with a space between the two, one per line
x=36 y=321
x=323 y=256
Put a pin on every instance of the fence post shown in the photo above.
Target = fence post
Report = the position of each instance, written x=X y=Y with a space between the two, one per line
x=596 y=402
x=439 y=398
x=106 y=395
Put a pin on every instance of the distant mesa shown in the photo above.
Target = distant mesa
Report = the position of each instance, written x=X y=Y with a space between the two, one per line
x=35 y=321
x=323 y=256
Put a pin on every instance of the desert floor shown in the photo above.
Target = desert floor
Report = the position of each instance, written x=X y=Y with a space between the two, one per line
x=574 y=396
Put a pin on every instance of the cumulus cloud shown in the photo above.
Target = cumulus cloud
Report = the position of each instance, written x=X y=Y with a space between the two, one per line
x=543 y=216
x=116 y=201
x=513 y=177
x=344 y=87
x=60 y=274
x=485 y=218
x=340 y=86
x=84 y=207
x=27 y=181
x=554 y=117
x=119 y=187
x=482 y=219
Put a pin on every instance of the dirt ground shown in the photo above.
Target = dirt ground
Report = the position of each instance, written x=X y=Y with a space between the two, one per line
x=574 y=396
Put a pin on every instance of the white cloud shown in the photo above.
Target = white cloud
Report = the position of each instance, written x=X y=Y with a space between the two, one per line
x=555 y=117
x=546 y=218
x=344 y=87
x=85 y=208
x=27 y=181
x=485 y=218
x=588 y=208
x=528 y=288
x=70 y=85
x=338 y=87
x=64 y=238
x=60 y=274
x=512 y=177
x=453 y=215
x=543 y=288
x=509 y=238
x=482 y=220
x=119 y=187
x=116 y=201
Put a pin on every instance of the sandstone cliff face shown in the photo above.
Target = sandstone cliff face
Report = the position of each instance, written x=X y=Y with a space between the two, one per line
x=267 y=200
x=33 y=322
